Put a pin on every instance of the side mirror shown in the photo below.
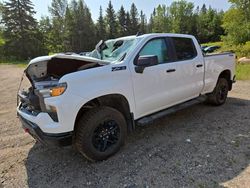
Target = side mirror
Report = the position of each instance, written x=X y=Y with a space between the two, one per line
x=145 y=61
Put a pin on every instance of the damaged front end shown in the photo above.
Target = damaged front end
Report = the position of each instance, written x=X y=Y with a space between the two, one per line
x=44 y=74
x=41 y=115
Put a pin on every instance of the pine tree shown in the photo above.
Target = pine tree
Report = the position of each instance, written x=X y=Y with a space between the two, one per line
x=111 y=21
x=45 y=28
x=134 y=19
x=89 y=38
x=143 y=23
x=203 y=9
x=20 y=30
x=69 y=30
x=100 y=27
x=128 y=24
x=122 y=21
x=57 y=11
x=150 y=24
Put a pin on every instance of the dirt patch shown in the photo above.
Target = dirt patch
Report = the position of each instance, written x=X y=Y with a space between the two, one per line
x=202 y=146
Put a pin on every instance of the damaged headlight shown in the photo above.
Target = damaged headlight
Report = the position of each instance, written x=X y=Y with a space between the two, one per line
x=53 y=91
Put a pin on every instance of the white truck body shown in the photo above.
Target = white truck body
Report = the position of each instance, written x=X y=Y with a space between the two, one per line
x=159 y=87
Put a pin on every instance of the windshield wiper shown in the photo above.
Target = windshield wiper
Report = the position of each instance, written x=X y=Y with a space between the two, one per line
x=123 y=57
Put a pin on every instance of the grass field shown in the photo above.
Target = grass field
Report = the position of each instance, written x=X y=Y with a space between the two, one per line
x=243 y=72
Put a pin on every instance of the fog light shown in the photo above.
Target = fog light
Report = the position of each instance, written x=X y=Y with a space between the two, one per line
x=53 y=109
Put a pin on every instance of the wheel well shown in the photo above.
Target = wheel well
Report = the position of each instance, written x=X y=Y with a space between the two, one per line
x=227 y=75
x=116 y=101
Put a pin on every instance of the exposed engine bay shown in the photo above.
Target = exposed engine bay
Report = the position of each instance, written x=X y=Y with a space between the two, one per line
x=44 y=74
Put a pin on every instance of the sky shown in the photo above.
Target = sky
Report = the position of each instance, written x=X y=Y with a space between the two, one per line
x=41 y=6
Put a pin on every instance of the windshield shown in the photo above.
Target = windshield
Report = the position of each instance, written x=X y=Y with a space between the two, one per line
x=115 y=49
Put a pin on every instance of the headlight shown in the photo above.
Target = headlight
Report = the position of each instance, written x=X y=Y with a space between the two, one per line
x=54 y=91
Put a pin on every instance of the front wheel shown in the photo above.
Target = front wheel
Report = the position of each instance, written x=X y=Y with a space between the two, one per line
x=219 y=95
x=100 y=133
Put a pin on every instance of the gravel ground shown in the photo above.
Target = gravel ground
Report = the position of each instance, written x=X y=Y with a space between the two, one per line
x=202 y=146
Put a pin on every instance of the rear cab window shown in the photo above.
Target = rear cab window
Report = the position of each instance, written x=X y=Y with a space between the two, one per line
x=184 y=48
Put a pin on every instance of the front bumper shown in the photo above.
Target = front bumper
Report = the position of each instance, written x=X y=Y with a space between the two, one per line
x=62 y=139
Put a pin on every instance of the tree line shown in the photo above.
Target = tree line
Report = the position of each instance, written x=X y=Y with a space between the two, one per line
x=69 y=26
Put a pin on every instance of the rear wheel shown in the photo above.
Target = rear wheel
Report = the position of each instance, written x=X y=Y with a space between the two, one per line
x=100 y=133
x=219 y=95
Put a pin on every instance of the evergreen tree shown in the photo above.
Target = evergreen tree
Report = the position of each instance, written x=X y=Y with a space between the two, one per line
x=57 y=11
x=143 y=23
x=100 y=27
x=128 y=24
x=203 y=9
x=134 y=19
x=208 y=25
x=69 y=37
x=150 y=24
x=111 y=21
x=122 y=21
x=88 y=39
x=45 y=28
x=20 y=30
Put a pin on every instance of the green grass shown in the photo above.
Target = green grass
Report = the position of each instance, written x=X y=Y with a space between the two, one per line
x=14 y=62
x=213 y=44
x=243 y=72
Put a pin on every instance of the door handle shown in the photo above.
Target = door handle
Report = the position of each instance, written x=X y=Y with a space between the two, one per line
x=170 y=70
x=199 y=65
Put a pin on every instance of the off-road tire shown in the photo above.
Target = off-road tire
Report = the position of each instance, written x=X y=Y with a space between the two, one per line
x=219 y=95
x=93 y=121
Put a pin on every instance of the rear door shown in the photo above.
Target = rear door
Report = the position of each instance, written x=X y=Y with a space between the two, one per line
x=189 y=67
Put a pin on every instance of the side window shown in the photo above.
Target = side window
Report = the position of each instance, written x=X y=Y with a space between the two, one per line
x=156 y=47
x=184 y=48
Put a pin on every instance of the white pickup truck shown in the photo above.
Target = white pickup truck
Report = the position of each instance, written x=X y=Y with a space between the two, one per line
x=93 y=101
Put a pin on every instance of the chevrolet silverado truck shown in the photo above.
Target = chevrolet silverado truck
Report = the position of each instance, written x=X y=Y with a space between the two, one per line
x=93 y=101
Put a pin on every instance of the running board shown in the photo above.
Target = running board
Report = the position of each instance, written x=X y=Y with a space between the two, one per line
x=151 y=118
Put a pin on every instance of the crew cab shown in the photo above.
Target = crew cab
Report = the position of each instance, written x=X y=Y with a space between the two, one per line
x=93 y=101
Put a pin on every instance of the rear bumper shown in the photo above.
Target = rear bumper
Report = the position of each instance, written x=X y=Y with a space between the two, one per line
x=62 y=139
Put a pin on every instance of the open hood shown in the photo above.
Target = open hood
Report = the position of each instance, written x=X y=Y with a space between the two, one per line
x=56 y=66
